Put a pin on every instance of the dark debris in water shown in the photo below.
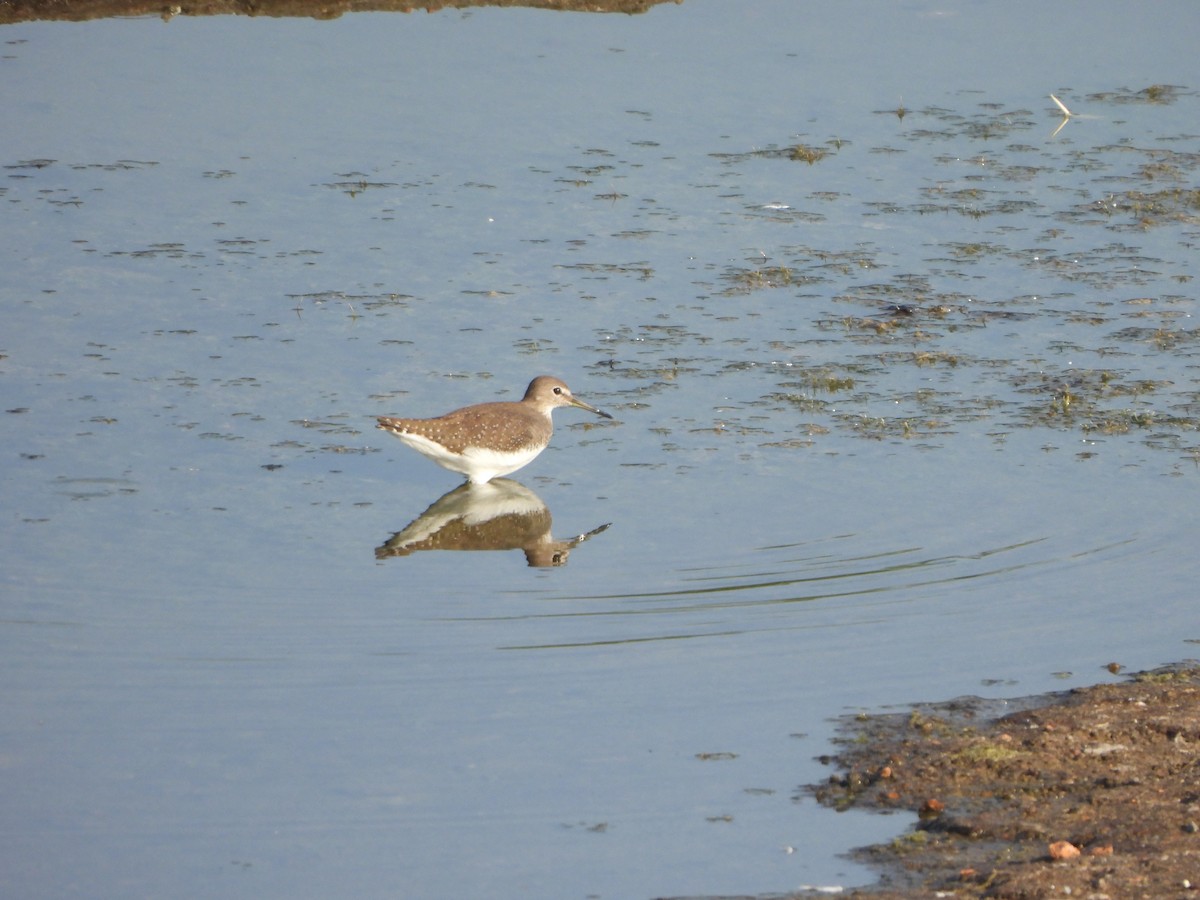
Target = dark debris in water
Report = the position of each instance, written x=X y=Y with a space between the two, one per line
x=1119 y=335
x=1155 y=93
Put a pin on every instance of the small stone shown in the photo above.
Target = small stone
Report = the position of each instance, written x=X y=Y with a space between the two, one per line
x=1063 y=850
x=930 y=808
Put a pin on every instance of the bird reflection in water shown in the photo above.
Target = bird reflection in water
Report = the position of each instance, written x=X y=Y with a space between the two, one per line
x=499 y=515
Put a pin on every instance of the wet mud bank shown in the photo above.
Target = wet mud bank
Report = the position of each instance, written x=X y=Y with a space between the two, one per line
x=81 y=10
x=1094 y=792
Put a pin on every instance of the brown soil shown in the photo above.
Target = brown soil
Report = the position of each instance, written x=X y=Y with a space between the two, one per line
x=1093 y=793
x=79 y=10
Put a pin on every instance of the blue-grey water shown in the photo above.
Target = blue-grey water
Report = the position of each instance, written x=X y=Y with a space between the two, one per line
x=905 y=386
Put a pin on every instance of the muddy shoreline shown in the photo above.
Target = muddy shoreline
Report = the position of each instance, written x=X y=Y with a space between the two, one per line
x=1094 y=792
x=12 y=11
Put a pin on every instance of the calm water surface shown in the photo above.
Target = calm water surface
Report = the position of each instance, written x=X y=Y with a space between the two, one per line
x=906 y=397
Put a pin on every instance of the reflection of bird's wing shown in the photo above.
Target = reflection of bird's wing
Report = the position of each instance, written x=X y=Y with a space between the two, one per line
x=471 y=507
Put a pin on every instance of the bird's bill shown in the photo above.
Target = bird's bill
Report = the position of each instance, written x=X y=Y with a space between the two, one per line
x=575 y=401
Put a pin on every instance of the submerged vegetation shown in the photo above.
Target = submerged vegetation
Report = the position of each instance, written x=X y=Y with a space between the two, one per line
x=987 y=275
x=1099 y=343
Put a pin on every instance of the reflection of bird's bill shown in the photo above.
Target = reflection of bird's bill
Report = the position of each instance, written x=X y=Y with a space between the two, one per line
x=575 y=542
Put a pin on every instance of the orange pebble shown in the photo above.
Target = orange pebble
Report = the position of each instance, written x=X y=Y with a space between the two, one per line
x=1063 y=850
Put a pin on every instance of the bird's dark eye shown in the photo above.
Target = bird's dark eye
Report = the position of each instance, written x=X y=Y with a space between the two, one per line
x=558 y=390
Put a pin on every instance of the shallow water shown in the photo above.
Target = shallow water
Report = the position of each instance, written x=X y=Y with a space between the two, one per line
x=916 y=419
